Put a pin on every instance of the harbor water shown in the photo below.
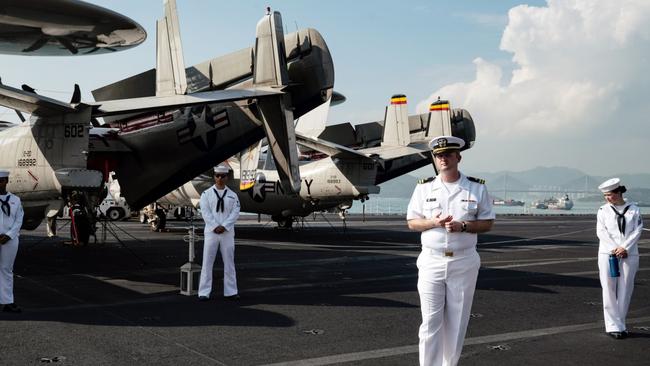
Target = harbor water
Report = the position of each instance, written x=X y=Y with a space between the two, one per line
x=377 y=205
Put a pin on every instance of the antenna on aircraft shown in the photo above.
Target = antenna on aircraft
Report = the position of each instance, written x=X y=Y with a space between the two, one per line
x=28 y=88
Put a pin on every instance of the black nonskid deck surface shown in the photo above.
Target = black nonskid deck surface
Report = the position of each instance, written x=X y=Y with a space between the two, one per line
x=319 y=294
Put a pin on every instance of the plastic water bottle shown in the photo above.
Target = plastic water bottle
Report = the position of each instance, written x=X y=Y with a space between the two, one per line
x=613 y=266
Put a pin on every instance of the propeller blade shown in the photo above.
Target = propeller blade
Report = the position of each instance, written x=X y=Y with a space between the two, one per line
x=20 y=115
x=210 y=76
x=36 y=45
x=76 y=95
x=68 y=45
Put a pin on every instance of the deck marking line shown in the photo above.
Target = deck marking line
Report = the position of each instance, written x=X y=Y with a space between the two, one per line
x=396 y=351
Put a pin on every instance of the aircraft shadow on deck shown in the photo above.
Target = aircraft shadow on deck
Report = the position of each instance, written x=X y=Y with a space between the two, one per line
x=76 y=272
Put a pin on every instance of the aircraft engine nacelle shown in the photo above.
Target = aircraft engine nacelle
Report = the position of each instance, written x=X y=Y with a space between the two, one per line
x=462 y=126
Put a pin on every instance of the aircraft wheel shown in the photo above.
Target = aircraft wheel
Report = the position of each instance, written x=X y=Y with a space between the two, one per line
x=115 y=214
x=179 y=213
x=285 y=223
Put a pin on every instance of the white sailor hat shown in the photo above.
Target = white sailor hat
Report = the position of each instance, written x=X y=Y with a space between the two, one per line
x=4 y=173
x=610 y=185
x=442 y=144
x=221 y=169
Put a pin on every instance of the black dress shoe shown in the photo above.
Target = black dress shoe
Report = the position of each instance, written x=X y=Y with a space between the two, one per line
x=232 y=298
x=625 y=334
x=615 y=335
x=11 y=308
x=203 y=298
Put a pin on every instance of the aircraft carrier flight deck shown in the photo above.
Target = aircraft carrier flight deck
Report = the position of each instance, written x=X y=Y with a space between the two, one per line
x=319 y=294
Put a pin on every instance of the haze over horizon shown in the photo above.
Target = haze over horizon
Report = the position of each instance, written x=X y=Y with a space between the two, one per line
x=549 y=83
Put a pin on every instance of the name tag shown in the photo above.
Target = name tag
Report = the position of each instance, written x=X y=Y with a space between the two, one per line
x=431 y=199
x=468 y=200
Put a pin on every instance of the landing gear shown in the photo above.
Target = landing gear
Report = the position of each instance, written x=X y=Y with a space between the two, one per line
x=180 y=213
x=160 y=220
x=283 y=222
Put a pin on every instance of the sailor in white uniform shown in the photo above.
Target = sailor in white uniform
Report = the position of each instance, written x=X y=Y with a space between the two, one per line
x=619 y=228
x=449 y=210
x=220 y=210
x=11 y=219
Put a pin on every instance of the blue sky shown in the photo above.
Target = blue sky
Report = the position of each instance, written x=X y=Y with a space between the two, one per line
x=465 y=51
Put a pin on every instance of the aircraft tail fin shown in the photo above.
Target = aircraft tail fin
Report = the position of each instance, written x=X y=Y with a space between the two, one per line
x=270 y=71
x=248 y=161
x=170 y=67
x=439 y=119
x=270 y=64
x=396 y=122
x=313 y=122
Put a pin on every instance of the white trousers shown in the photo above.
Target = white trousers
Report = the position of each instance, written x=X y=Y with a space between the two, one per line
x=446 y=286
x=617 y=291
x=225 y=244
x=8 y=253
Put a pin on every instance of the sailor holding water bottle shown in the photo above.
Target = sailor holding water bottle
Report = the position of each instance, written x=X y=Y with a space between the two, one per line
x=619 y=228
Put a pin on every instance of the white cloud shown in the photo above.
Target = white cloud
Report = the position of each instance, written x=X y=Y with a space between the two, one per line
x=579 y=65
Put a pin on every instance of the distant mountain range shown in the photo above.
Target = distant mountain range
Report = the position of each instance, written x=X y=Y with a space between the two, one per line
x=559 y=178
x=540 y=178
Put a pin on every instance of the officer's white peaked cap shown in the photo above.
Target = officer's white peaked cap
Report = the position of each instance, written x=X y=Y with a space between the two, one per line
x=446 y=143
x=221 y=169
x=610 y=185
x=4 y=173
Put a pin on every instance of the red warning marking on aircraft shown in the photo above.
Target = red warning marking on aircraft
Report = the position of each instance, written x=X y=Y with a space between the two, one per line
x=33 y=177
x=339 y=189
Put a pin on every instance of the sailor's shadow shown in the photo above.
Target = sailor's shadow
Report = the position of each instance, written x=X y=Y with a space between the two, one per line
x=183 y=313
x=528 y=281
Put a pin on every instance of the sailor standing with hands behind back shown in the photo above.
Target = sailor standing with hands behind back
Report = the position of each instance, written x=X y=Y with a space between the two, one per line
x=11 y=219
x=619 y=228
x=220 y=211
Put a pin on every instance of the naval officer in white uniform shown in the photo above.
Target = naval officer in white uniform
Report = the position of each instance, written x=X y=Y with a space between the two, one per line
x=449 y=210
x=220 y=211
x=11 y=219
x=619 y=227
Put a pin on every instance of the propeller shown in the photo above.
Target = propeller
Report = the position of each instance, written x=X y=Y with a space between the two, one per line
x=210 y=75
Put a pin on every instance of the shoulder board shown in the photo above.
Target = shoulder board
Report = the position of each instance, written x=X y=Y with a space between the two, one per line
x=426 y=180
x=476 y=180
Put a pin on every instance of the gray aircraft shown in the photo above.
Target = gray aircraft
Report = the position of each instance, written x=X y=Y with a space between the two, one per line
x=168 y=124
x=333 y=174
x=63 y=28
